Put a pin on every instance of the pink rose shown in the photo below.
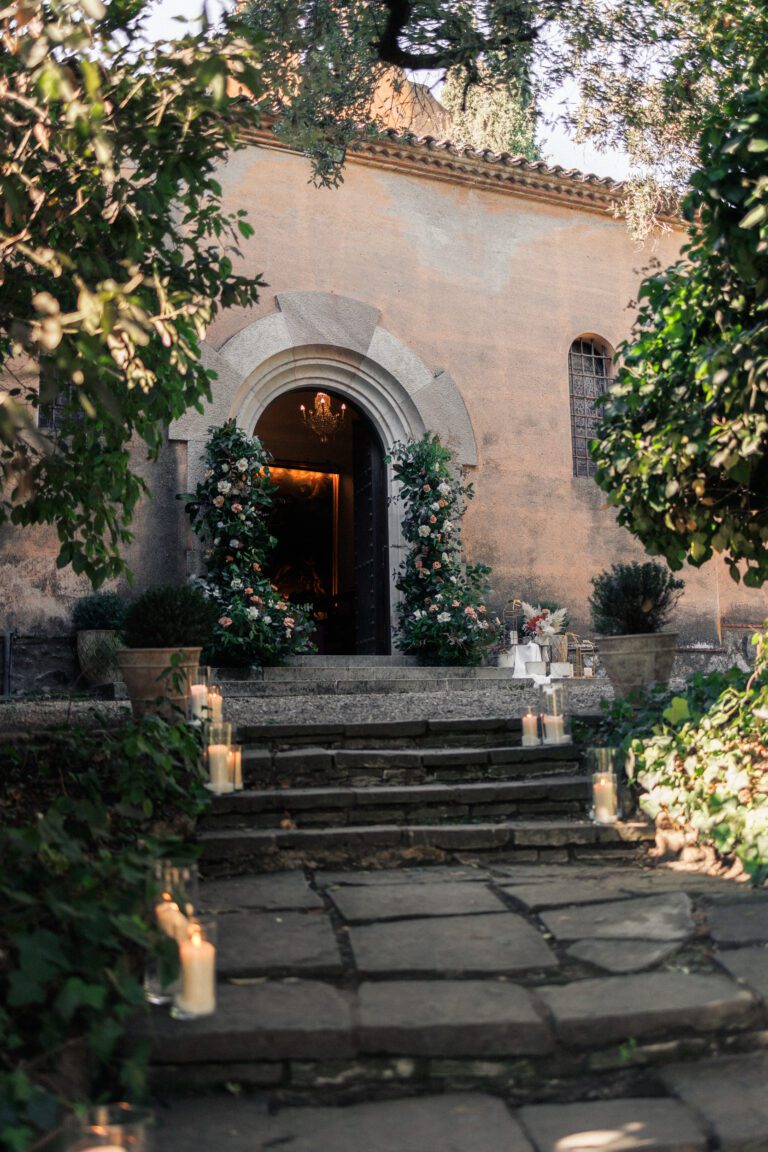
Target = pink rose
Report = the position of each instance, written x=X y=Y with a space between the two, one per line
x=237 y=507
x=225 y=621
x=437 y=565
x=426 y=488
x=218 y=501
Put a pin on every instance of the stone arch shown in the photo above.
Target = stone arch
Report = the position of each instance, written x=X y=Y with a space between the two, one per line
x=318 y=337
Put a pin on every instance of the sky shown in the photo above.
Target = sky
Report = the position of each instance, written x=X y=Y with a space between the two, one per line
x=557 y=146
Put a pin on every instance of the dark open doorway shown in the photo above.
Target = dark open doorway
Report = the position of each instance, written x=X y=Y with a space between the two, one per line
x=330 y=521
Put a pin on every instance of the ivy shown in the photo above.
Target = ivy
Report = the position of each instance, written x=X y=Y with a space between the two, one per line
x=442 y=615
x=700 y=759
x=85 y=813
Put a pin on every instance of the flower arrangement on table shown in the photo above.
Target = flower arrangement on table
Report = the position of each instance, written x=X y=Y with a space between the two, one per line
x=229 y=512
x=442 y=617
x=540 y=624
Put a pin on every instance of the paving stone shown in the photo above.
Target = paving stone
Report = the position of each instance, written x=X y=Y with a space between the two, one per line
x=274 y=1020
x=387 y=876
x=622 y=955
x=630 y=1125
x=399 y=900
x=555 y=833
x=552 y=894
x=484 y=943
x=745 y=922
x=730 y=1094
x=462 y=1122
x=592 y=1013
x=666 y=917
x=276 y=891
x=749 y=965
x=377 y=758
x=251 y=943
x=450 y=1018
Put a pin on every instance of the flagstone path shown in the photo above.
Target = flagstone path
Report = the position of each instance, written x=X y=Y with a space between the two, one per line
x=476 y=1008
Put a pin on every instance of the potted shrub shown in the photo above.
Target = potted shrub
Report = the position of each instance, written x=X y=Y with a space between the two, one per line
x=165 y=631
x=630 y=605
x=98 y=621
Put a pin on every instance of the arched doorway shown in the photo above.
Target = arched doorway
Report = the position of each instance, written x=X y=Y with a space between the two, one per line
x=330 y=519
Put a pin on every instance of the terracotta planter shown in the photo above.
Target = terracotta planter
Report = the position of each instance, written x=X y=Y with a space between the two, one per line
x=153 y=687
x=637 y=661
x=97 y=650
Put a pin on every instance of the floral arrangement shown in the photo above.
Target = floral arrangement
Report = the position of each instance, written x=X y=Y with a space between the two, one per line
x=442 y=616
x=540 y=623
x=229 y=512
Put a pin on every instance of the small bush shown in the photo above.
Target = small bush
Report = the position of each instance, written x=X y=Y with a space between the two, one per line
x=633 y=598
x=102 y=610
x=170 y=616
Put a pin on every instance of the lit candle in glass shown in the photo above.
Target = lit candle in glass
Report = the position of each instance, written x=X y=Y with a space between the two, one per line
x=108 y=1128
x=554 y=723
x=530 y=730
x=605 y=797
x=217 y=752
x=236 y=767
x=215 y=705
x=170 y=918
x=197 y=955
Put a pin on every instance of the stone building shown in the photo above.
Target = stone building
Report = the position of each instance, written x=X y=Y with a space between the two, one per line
x=476 y=296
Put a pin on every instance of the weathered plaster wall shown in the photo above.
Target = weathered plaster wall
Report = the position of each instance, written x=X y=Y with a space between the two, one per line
x=492 y=288
x=489 y=286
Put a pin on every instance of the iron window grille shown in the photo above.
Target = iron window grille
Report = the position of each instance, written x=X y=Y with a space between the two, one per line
x=590 y=367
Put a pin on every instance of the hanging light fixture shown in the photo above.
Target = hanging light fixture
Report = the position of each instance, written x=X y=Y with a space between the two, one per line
x=322 y=420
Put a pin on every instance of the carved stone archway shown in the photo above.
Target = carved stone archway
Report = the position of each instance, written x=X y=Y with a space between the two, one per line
x=318 y=338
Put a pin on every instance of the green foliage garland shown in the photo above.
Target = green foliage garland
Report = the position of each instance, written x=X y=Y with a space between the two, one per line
x=85 y=812
x=229 y=510
x=682 y=450
x=442 y=617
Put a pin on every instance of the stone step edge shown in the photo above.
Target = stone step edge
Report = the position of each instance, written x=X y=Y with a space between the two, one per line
x=391 y=728
x=259 y=689
x=266 y=799
x=315 y=756
x=230 y=843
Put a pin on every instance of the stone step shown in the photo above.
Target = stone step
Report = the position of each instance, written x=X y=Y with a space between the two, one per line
x=309 y=766
x=480 y=731
x=419 y=681
x=540 y=982
x=460 y=1122
x=239 y=850
x=401 y=804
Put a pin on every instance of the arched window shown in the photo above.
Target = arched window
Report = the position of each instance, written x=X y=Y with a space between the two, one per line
x=590 y=367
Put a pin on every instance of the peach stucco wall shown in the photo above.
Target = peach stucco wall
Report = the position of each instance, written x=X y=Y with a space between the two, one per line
x=488 y=285
x=492 y=287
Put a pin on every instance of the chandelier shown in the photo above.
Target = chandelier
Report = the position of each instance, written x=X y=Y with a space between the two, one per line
x=322 y=420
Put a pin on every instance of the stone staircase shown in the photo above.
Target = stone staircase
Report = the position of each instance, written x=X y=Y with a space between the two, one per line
x=365 y=793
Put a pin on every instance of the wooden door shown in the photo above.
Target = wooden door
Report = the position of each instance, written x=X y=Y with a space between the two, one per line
x=371 y=593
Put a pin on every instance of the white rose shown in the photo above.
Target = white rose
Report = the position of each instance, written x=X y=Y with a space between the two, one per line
x=252 y=613
x=435 y=507
x=241 y=464
x=224 y=487
x=447 y=527
x=423 y=530
x=234 y=543
x=225 y=467
x=443 y=617
x=267 y=619
x=418 y=614
x=237 y=582
x=444 y=488
x=241 y=516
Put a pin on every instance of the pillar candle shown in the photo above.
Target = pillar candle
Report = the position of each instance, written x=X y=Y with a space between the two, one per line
x=554 y=729
x=218 y=766
x=604 y=797
x=215 y=706
x=236 y=768
x=198 y=701
x=530 y=730
x=171 y=920
x=198 y=976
